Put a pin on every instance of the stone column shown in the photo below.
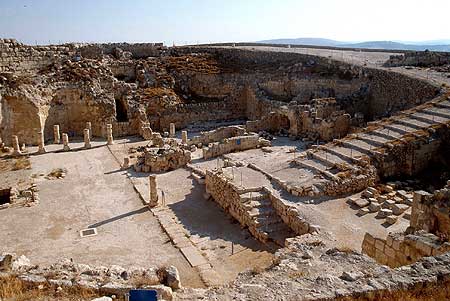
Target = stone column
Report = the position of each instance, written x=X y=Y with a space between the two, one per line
x=172 y=130
x=15 y=143
x=87 y=138
x=65 y=139
x=89 y=127
x=153 y=202
x=41 y=143
x=56 y=136
x=109 y=134
x=126 y=163
x=184 y=137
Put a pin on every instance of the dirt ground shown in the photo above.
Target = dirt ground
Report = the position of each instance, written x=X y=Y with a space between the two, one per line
x=95 y=193
x=220 y=239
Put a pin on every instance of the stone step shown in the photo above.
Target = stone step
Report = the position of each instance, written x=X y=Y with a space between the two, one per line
x=257 y=212
x=343 y=156
x=356 y=144
x=327 y=158
x=264 y=221
x=198 y=178
x=253 y=196
x=348 y=152
x=373 y=140
x=258 y=203
x=316 y=167
x=436 y=112
x=387 y=134
x=412 y=123
x=430 y=119
x=401 y=129
x=443 y=104
x=275 y=228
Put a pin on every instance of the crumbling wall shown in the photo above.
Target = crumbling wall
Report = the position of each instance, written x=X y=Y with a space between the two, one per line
x=233 y=144
x=412 y=153
x=17 y=57
x=218 y=134
x=431 y=212
x=419 y=58
x=138 y=50
x=399 y=249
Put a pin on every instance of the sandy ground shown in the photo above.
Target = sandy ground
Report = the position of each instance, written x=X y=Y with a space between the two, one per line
x=94 y=193
x=219 y=237
x=361 y=58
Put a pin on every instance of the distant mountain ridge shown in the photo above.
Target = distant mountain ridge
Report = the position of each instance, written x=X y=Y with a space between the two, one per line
x=388 y=45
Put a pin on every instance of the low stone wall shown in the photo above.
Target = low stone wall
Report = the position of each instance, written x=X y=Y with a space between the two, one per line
x=289 y=214
x=412 y=153
x=138 y=50
x=431 y=212
x=233 y=144
x=103 y=280
x=218 y=134
x=419 y=58
x=184 y=114
x=400 y=249
x=162 y=159
x=228 y=196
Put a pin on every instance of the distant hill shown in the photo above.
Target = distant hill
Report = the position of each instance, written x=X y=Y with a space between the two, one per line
x=388 y=45
x=305 y=41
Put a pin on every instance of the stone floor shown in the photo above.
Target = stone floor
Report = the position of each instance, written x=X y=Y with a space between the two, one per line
x=215 y=236
x=95 y=193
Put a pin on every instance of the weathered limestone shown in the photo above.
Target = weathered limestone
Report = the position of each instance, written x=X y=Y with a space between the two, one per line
x=109 y=134
x=87 y=138
x=15 y=143
x=165 y=158
x=65 y=139
x=56 y=135
x=89 y=127
x=153 y=201
x=184 y=137
x=172 y=130
x=41 y=143
x=126 y=163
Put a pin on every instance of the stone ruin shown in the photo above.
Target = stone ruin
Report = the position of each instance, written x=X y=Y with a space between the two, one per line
x=353 y=132
x=158 y=159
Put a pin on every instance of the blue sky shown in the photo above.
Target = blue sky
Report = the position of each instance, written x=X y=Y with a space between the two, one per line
x=192 y=21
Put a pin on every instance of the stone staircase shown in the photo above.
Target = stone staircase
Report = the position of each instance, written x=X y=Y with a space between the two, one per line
x=262 y=220
x=348 y=153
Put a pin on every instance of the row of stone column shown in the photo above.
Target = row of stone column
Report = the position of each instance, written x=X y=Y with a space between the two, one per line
x=184 y=136
x=87 y=135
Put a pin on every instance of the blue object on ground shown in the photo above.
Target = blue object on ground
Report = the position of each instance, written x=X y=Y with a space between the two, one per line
x=143 y=295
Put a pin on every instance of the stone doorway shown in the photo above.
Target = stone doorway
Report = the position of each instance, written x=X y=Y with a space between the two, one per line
x=5 y=196
x=121 y=111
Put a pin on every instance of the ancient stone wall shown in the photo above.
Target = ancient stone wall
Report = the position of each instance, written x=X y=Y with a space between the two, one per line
x=17 y=57
x=419 y=58
x=218 y=134
x=399 y=249
x=233 y=144
x=431 y=212
x=138 y=50
x=413 y=153
x=162 y=159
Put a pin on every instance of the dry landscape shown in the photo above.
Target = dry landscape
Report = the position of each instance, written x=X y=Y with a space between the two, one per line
x=223 y=172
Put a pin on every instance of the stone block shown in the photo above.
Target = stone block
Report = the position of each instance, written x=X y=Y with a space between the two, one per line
x=384 y=213
x=374 y=207
x=361 y=203
x=398 y=209
x=392 y=219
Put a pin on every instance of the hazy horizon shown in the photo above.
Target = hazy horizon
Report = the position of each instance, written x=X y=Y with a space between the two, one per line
x=202 y=21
